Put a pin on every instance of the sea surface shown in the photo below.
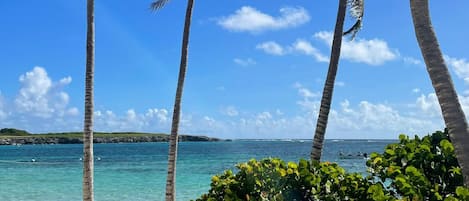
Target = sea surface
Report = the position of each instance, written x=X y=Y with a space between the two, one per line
x=137 y=172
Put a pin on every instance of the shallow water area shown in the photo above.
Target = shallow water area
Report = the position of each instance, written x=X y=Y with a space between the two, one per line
x=138 y=171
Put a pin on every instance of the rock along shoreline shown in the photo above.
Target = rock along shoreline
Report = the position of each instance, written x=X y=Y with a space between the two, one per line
x=31 y=140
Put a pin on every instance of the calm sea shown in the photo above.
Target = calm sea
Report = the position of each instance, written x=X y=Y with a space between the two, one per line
x=138 y=171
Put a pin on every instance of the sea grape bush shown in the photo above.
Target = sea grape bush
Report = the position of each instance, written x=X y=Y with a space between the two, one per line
x=420 y=169
x=412 y=169
x=273 y=179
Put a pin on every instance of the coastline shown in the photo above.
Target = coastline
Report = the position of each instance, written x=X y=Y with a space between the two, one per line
x=99 y=137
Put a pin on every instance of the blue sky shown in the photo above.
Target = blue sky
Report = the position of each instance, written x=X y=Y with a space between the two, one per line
x=255 y=70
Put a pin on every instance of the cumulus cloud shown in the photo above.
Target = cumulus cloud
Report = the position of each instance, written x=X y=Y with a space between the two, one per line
x=305 y=47
x=244 y=62
x=40 y=96
x=65 y=80
x=373 y=52
x=362 y=119
x=412 y=60
x=371 y=120
x=271 y=47
x=429 y=104
x=249 y=19
x=41 y=104
x=300 y=46
x=153 y=120
x=305 y=92
x=460 y=66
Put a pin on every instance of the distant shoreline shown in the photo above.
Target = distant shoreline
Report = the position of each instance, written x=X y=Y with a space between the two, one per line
x=20 y=137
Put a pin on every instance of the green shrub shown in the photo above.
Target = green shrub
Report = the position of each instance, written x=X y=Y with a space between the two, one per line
x=420 y=169
x=272 y=179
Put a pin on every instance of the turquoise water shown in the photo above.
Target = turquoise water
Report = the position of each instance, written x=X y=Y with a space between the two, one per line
x=138 y=171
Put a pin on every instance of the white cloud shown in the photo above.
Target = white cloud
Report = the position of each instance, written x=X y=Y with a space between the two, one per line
x=428 y=104
x=39 y=96
x=153 y=120
x=230 y=111
x=3 y=114
x=460 y=66
x=278 y=112
x=73 y=111
x=271 y=47
x=300 y=46
x=244 y=62
x=41 y=105
x=306 y=48
x=464 y=100
x=412 y=60
x=339 y=84
x=415 y=90
x=373 y=52
x=160 y=114
x=377 y=121
x=249 y=19
x=305 y=92
x=131 y=115
x=363 y=119
x=264 y=116
x=65 y=80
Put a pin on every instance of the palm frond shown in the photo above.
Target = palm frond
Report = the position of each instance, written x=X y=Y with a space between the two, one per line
x=354 y=29
x=156 y=5
x=356 y=9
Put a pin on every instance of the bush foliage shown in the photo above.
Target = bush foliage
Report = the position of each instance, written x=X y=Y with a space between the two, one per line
x=413 y=169
x=420 y=169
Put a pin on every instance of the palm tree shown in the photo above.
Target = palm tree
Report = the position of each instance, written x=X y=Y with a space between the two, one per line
x=453 y=115
x=356 y=10
x=173 y=140
x=88 y=165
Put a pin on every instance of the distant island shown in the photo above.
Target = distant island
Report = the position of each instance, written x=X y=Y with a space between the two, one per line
x=11 y=136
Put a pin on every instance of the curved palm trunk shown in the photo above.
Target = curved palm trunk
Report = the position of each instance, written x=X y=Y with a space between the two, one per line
x=453 y=115
x=329 y=85
x=88 y=165
x=173 y=140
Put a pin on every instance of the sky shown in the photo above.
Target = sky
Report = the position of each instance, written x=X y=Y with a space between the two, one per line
x=255 y=70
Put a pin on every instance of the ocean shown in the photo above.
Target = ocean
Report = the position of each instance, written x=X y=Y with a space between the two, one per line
x=137 y=172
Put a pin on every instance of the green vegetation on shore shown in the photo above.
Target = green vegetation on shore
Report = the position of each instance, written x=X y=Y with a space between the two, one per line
x=11 y=132
x=11 y=136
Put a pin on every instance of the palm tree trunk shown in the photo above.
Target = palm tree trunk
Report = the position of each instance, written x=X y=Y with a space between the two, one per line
x=88 y=165
x=173 y=140
x=329 y=85
x=453 y=115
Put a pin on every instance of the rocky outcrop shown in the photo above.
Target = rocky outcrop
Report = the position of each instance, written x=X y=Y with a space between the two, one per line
x=131 y=139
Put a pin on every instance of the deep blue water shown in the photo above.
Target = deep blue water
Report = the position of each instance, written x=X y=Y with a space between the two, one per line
x=138 y=171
